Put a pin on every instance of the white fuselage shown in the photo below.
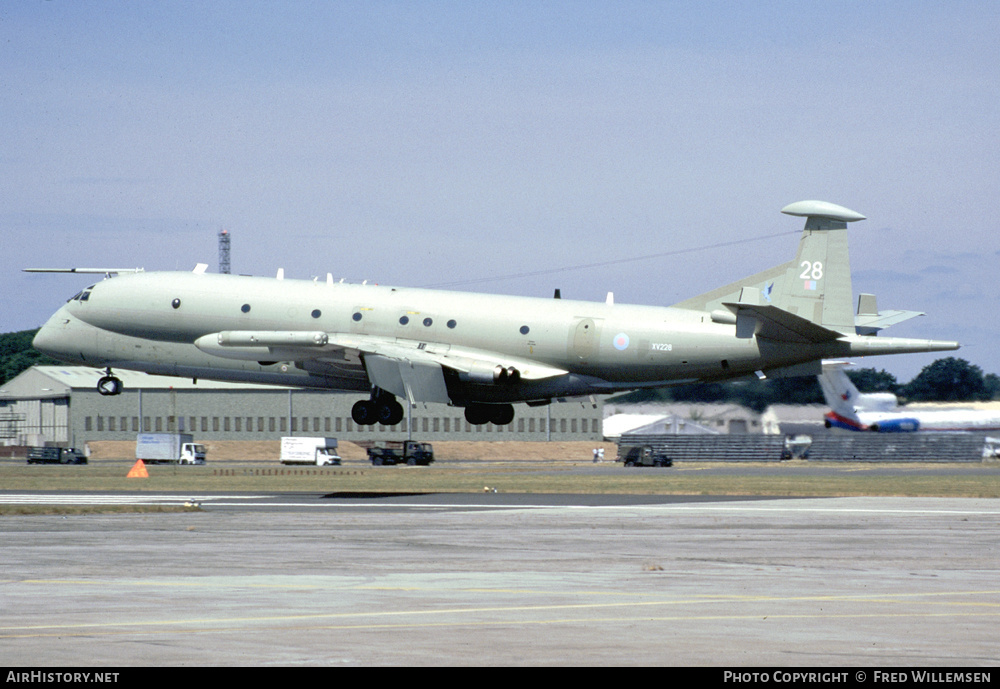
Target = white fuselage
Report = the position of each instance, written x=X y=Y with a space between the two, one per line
x=907 y=421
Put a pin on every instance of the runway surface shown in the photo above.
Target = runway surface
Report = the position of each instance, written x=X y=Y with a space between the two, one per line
x=500 y=579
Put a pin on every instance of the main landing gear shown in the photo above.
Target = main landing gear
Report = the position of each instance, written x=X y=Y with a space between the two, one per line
x=382 y=408
x=498 y=414
x=109 y=385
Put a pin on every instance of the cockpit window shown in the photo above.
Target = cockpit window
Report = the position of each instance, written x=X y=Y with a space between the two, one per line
x=82 y=296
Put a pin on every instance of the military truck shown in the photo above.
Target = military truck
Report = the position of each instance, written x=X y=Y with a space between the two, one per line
x=643 y=456
x=55 y=455
x=401 y=452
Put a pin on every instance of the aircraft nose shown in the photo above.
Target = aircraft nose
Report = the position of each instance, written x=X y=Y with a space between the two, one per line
x=49 y=339
x=59 y=339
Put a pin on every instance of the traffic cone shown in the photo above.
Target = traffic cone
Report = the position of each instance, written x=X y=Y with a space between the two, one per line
x=138 y=470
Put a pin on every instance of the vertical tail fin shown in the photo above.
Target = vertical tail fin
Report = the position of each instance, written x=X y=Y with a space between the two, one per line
x=841 y=396
x=846 y=402
x=838 y=390
x=816 y=286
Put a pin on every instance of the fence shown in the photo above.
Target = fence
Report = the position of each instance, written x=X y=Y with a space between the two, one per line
x=857 y=447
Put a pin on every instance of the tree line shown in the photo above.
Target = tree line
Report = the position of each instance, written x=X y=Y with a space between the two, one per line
x=945 y=380
x=17 y=354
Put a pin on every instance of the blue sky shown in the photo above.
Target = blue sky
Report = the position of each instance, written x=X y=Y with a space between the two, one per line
x=423 y=143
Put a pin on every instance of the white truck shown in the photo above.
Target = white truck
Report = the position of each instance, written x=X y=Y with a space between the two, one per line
x=179 y=448
x=318 y=451
x=991 y=448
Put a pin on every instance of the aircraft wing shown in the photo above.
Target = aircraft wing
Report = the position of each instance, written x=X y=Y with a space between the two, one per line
x=407 y=368
x=415 y=370
x=463 y=359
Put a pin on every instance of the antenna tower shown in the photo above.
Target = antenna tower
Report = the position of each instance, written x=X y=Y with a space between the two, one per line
x=224 y=251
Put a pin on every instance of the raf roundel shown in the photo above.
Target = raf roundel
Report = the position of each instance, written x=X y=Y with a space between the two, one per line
x=621 y=342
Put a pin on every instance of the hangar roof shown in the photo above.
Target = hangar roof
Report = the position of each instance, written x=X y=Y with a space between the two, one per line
x=59 y=381
x=618 y=424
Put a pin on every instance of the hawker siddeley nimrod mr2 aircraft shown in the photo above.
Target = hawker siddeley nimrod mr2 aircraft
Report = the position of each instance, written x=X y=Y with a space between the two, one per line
x=477 y=351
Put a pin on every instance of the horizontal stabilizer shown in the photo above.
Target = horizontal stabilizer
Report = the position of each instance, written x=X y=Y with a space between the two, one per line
x=772 y=323
x=869 y=320
x=871 y=324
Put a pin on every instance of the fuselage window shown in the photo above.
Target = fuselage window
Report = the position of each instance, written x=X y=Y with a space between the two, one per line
x=245 y=308
x=427 y=322
x=452 y=323
x=403 y=320
x=524 y=330
x=316 y=313
x=176 y=303
x=357 y=316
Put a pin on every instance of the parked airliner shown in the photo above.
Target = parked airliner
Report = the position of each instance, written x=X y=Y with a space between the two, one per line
x=880 y=411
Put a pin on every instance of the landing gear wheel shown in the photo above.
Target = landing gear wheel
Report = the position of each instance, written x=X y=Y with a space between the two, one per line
x=499 y=414
x=502 y=414
x=389 y=412
x=382 y=408
x=109 y=386
x=363 y=413
x=477 y=414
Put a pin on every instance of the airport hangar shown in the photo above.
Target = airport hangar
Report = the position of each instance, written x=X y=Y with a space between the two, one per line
x=60 y=405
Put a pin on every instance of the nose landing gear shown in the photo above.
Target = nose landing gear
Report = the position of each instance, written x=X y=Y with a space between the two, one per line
x=109 y=385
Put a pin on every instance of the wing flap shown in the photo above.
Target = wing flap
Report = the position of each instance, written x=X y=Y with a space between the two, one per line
x=411 y=379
